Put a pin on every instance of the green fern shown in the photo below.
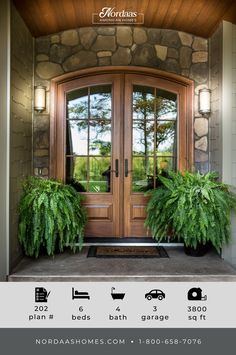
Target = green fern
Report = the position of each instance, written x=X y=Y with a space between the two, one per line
x=195 y=208
x=50 y=214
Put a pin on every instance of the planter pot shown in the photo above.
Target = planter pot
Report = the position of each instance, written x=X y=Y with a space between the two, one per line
x=201 y=250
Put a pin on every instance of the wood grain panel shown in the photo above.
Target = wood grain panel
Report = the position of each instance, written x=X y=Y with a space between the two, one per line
x=99 y=212
x=186 y=8
x=171 y=14
x=138 y=212
x=199 y=17
x=100 y=229
x=152 y=18
x=205 y=20
x=230 y=14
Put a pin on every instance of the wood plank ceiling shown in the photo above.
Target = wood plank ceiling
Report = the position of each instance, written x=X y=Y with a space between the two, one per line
x=199 y=17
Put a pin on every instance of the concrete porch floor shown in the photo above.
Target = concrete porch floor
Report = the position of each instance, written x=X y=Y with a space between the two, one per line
x=77 y=267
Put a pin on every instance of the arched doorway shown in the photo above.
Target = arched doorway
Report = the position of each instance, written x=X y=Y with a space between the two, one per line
x=112 y=132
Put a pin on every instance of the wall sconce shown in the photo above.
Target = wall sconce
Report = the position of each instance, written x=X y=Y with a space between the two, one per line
x=205 y=102
x=39 y=98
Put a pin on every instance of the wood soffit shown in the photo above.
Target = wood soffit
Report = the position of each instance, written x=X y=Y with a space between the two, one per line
x=198 y=17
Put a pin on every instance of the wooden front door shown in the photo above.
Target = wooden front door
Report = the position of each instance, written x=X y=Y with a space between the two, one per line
x=115 y=134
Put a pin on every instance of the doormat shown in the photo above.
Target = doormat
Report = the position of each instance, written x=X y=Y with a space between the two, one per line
x=126 y=252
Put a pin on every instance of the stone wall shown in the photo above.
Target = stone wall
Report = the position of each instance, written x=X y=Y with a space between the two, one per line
x=215 y=129
x=168 y=50
x=21 y=121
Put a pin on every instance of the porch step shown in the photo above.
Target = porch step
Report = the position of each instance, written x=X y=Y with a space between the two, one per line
x=77 y=267
x=122 y=278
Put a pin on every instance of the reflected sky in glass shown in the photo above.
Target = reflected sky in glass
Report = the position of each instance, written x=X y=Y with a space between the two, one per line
x=140 y=139
x=77 y=141
x=100 y=138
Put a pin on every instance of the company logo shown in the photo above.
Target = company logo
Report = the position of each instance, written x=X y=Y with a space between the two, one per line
x=109 y=15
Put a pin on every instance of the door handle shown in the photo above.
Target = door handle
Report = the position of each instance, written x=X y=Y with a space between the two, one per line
x=117 y=168
x=126 y=168
x=116 y=171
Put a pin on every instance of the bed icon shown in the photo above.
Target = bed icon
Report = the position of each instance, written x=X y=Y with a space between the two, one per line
x=79 y=295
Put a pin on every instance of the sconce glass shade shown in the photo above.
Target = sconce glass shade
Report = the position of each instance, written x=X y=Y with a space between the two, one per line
x=205 y=101
x=39 y=98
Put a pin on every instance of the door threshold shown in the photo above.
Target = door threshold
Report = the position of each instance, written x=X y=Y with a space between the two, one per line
x=92 y=241
x=134 y=244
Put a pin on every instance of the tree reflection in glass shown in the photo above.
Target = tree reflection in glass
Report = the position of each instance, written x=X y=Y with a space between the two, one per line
x=89 y=138
x=100 y=102
x=100 y=137
x=77 y=104
x=154 y=134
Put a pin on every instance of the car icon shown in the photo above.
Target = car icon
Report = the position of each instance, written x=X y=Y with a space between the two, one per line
x=155 y=294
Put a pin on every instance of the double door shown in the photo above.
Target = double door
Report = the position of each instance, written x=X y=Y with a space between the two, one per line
x=119 y=132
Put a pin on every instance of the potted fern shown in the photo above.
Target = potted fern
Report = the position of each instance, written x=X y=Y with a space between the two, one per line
x=50 y=216
x=196 y=209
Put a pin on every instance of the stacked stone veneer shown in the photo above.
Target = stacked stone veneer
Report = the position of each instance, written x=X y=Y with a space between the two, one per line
x=167 y=50
x=21 y=121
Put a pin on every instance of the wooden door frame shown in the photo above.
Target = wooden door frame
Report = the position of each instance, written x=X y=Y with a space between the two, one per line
x=120 y=77
x=186 y=83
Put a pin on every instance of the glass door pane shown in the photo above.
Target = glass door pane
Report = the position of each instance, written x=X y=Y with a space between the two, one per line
x=154 y=138
x=88 y=139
